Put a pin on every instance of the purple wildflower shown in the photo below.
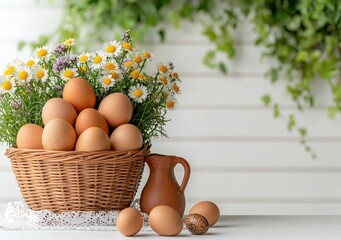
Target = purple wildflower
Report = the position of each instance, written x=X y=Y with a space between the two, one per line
x=72 y=58
x=60 y=48
x=60 y=63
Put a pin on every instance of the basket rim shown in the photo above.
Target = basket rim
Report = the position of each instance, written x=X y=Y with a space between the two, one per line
x=79 y=156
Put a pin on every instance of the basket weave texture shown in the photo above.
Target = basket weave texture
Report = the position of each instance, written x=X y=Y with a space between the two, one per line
x=62 y=181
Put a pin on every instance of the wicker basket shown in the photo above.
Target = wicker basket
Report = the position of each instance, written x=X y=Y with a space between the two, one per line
x=63 y=181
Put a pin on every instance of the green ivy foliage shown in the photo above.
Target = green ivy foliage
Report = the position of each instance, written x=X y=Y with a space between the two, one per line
x=302 y=37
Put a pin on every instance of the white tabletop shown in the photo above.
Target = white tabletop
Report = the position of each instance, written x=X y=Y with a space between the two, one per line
x=228 y=227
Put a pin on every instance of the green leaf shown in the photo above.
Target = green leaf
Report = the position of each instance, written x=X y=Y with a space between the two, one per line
x=266 y=99
x=209 y=57
x=21 y=45
x=276 y=111
x=302 y=131
x=332 y=111
x=292 y=122
x=302 y=56
x=162 y=34
x=294 y=24
x=210 y=33
x=222 y=68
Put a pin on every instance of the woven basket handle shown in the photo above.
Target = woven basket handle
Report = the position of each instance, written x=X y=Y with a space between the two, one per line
x=187 y=168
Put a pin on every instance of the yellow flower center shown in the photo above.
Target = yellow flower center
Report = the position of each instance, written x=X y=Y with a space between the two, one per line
x=163 y=68
x=110 y=66
x=97 y=59
x=170 y=104
x=135 y=74
x=138 y=93
x=42 y=52
x=40 y=74
x=141 y=76
x=127 y=46
x=30 y=63
x=138 y=59
x=110 y=49
x=114 y=75
x=146 y=54
x=9 y=70
x=128 y=64
x=83 y=68
x=175 y=75
x=176 y=88
x=163 y=79
x=7 y=85
x=68 y=73
x=107 y=81
x=69 y=42
x=83 y=58
x=23 y=75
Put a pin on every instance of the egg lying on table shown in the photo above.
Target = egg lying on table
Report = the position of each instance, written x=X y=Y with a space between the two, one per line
x=58 y=134
x=126 y=137
x=165 y=221
x=207 y=209
x=196 y=224
x=93 y=139
x=29 y=136
x=129 y=221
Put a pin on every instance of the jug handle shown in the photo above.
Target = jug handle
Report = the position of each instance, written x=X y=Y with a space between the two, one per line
x=187 y=173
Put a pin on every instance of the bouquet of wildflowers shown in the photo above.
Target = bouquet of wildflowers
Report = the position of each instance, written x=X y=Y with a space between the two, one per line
x=118 y=67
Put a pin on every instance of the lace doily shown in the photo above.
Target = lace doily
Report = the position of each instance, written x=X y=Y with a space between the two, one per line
x=19 y=217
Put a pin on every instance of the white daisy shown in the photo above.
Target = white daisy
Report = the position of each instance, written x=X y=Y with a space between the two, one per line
x=127 y=46
x=32 y=62
x=42 y=52
x=40 y=73
x=138 y=93
x=110 y=65
x=97 y=59
x=175 y=88
x=164 y=68
x=12 y=67
x=68 y=73
x=171 y=102
x=116 y=75
x=147 y=55
x=112 y=48
x=164 y=79
x=23 y=74
x=107 y=81
x=69 y=42
x=84 y=57
x=7 y=85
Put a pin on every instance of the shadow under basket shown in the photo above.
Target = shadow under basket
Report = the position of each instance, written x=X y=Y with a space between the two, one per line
x=62 y=181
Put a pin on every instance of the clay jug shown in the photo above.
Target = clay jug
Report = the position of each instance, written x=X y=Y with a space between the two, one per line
x=162 y=187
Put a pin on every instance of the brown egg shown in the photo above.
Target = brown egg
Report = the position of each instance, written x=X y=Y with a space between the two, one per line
x=58 y=108
x=90 y=117
x=129 y=221
x=58 y=134
x=79 y=93
x=29 y=136
x=126 y=137
x=165 y=221
x=116 y=109
x=93 y=139
x=196 y=224
x=207 y=209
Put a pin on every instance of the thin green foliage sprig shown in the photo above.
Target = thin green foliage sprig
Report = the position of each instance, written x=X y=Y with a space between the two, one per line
x=25 y=86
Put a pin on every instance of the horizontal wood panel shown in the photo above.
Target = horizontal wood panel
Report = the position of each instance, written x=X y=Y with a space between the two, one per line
x=235 y=185
x=242 y=92
x=260 y=123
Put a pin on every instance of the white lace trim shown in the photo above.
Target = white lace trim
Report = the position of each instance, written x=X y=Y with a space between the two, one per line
x=19 y=217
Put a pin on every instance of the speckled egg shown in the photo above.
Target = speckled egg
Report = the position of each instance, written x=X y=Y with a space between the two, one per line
x=207 y=209
x=196 y=224
x=58 y=134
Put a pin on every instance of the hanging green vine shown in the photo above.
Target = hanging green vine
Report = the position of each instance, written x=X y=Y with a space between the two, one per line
x=302 y=36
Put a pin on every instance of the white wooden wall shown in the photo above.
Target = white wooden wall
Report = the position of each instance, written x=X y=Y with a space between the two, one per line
x=241 y=157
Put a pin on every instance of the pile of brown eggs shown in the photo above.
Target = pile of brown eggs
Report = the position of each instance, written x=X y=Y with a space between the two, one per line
x=166 y=221
x=72 y=123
